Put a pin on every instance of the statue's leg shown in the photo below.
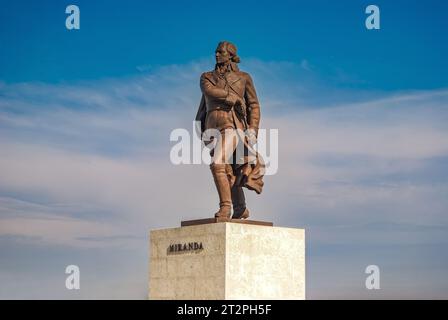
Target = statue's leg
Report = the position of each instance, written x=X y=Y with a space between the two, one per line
x=218 y=166
x=238 y=200
x=239 y=203
x=223 y=188
x=225 y=146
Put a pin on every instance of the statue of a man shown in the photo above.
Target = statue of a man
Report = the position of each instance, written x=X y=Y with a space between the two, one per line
x=229 y=106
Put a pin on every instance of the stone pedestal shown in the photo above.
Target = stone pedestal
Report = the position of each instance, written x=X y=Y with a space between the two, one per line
x=227 y=260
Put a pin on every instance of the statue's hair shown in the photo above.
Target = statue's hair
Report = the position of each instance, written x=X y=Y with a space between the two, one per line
x=231 y=48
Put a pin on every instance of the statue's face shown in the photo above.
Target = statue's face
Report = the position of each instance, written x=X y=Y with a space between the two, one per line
x=221 y=54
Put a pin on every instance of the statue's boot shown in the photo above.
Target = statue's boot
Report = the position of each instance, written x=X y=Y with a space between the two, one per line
x=223 y=187
x=239 y=203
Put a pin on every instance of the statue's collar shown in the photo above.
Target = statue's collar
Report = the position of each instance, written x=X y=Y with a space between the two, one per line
x=231 y=77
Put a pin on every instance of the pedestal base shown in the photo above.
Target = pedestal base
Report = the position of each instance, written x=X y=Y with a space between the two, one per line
x=227 y=260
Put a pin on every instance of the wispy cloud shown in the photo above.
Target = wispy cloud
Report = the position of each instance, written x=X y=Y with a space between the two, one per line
x=87 y=162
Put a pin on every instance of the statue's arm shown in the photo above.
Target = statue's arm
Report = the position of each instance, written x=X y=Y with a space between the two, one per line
x=253 y=106
x=216 y=92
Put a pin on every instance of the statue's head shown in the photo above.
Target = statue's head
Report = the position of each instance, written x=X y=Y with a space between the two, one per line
x=226 y=52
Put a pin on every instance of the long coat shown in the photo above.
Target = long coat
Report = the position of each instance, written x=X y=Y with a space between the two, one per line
x=220 y=93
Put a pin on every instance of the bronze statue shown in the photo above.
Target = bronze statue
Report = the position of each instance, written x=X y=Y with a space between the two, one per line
x=229 y=104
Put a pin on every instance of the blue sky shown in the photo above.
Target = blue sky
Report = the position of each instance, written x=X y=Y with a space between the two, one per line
x=85 y=120
x=408 y=53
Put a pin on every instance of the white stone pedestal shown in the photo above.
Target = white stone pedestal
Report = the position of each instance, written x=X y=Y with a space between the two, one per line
x=227 y=260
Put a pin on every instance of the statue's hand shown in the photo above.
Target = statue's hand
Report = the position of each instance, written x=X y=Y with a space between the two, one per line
x=233 y=100
x=239 y=102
